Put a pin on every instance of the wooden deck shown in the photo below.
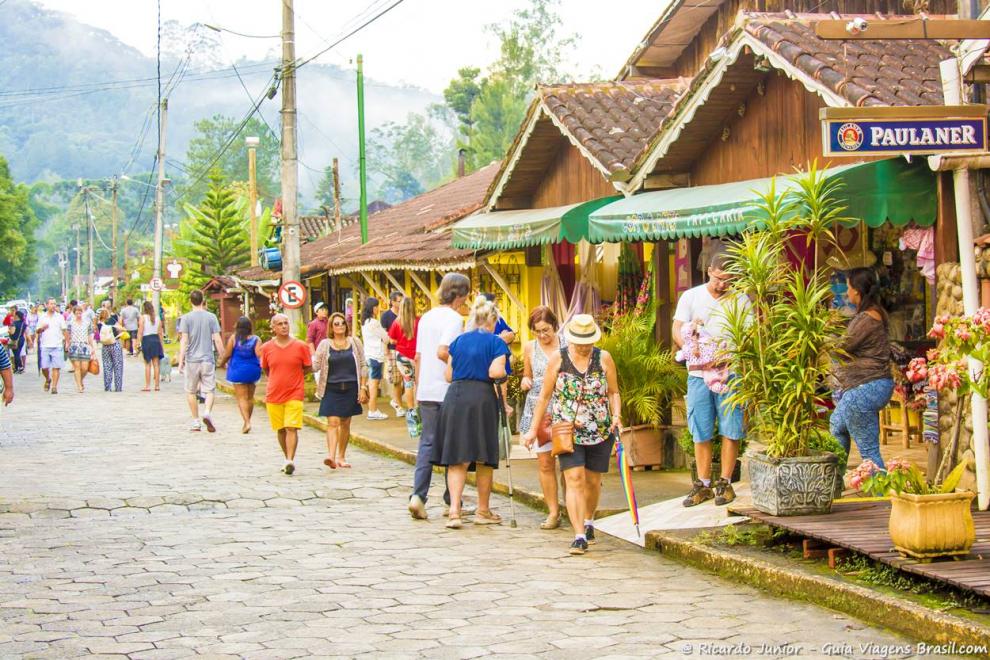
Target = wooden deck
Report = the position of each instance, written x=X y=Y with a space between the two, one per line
x=862 y=527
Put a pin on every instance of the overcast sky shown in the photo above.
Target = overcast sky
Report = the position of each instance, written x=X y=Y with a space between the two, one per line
x=420 y=42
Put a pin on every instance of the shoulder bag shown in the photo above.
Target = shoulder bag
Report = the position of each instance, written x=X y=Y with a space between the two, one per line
x=562 y=433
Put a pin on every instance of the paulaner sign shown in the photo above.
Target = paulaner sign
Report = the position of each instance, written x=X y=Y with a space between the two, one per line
x=914 y=130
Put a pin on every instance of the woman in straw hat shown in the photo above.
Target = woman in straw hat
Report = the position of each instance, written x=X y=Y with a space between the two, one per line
x=468 y=429
x=585 y=393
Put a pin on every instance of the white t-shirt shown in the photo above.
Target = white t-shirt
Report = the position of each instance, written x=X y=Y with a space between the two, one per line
x=53 y=336
x=375 y=339
x=697 y=304
x=438 y=327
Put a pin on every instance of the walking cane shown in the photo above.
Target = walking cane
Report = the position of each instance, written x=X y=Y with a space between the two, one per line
x=506 y=436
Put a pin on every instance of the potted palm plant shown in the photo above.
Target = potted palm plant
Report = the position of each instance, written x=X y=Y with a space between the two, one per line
x=780 y=346
x=649 y=380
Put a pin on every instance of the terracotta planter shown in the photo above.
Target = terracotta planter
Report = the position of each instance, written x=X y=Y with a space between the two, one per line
x=644 y=444
x=926 y=526
x=803 y=485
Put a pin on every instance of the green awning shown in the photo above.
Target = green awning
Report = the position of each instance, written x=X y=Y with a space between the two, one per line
x=501 y=230
x=891 y=190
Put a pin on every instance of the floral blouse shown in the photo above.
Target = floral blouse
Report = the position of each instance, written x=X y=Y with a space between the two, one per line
x=585 y=394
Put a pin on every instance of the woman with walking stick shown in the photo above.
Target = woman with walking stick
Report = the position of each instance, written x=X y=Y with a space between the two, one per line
x=468 y=431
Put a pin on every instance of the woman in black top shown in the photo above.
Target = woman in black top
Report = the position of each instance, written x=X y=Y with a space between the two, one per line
x=341 y=388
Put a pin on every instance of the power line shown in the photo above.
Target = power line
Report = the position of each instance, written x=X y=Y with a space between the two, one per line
x=349 y=34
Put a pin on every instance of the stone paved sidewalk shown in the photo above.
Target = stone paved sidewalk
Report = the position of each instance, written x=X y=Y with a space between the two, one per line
x=122 y=533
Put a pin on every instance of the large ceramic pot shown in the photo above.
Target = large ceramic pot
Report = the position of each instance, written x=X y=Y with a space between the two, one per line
x=798 y=486
x=643 y=444
x=926 y=526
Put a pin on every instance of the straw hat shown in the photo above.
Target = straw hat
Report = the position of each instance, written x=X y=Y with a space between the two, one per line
x=582 y=329
x=844 y=262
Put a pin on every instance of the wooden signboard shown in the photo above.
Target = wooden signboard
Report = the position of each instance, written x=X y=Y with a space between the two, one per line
x=891 y=131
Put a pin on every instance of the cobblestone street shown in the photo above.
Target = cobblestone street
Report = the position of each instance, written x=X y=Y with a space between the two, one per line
x=122 y=533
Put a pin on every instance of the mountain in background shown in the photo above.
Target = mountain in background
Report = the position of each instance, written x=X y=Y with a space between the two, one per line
x=77 y=102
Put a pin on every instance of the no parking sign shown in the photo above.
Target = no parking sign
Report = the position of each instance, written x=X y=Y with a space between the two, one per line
x=292 y=295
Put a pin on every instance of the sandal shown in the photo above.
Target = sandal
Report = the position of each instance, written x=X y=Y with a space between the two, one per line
x=145 y=389
x=330 y=463
x=487 y=518
x=551 y=522
x=454 y=522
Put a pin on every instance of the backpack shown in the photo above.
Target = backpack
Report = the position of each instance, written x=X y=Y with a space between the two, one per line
x=107 y=336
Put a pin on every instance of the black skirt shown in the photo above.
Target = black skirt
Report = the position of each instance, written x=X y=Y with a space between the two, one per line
x=340 y=400
x=151 y=348
x=468 y=427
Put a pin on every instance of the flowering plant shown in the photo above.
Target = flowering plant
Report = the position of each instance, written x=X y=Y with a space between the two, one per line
x=900 y=477
x=960 y=337
x=911 y=382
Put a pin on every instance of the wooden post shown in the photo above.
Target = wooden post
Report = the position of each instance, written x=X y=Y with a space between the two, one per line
x=422 y=285
x=395 y=283
x=253 y=197
x=336 y=200
x=661 y=287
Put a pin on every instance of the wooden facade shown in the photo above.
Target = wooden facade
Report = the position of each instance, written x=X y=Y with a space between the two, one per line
x=570 y=179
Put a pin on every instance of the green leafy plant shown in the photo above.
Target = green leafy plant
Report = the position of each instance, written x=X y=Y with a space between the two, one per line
x=780 y=346
x=901 y=477
x=649 y=378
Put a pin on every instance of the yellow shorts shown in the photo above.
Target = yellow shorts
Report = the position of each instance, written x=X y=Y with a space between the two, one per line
x=288 y=415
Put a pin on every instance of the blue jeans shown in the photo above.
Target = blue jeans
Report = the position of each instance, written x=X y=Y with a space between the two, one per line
x=857 y=415
x=429 y=412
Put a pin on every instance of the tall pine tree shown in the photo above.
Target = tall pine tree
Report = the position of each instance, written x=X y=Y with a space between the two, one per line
x=213 y=238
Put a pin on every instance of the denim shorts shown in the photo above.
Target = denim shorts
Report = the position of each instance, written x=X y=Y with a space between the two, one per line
x=705 y=406
x=375 y=369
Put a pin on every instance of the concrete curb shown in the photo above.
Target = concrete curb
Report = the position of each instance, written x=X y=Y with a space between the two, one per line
x=875 y=608
x=520 y=495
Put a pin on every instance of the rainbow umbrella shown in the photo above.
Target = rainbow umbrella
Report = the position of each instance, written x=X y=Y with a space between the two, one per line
x=625 y=478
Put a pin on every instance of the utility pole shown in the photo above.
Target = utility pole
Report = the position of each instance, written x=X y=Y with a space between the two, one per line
x=337 y=220
x=290 y=165
x=362 y=161
x=113 y=244
x=78 y=281
x=156 y=296
x=89 y=240
x=252 y=145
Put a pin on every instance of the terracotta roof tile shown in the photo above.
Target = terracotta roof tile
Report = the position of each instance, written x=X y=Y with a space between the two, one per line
x=613 y=121
x=404 y=235
x=895 y=72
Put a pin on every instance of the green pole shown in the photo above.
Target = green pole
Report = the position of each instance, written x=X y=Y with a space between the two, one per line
x=361 y=155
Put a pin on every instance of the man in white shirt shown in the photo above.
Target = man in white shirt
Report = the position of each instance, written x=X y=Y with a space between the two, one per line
x=706 y=306
x=129 y=315
x=53 y=336
x=438 y=328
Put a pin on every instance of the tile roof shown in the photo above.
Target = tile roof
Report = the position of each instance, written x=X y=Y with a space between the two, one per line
x=403 y=236
x=863 y=72
x=312 y=227
x=613 y=121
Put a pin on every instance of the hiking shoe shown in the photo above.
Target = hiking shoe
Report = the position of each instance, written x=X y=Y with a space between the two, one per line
x=699 y=493
x=578 y=547
x=723 y=492
x=589 y=533
x=417 y=508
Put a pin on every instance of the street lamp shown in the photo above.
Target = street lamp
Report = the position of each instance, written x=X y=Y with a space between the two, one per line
x=252 y=145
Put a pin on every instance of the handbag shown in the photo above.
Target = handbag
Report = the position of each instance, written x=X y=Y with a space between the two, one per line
x=94 y=367
x=543 y=433
x=562 y=437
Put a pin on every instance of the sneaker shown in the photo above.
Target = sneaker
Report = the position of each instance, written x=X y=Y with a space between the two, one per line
x=377 y=415
x=589 y=533
x=397 y=407
x=723 y=492
x=289 y=468
x=578 y=547
x=417 y=508
x=208 y=423
x=196 y=426
x=699 y=493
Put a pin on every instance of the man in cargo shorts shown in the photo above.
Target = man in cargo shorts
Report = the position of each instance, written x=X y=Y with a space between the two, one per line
x=199 y=334
x=706 y=306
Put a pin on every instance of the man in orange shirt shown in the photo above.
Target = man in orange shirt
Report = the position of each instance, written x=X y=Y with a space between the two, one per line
x=286 y=361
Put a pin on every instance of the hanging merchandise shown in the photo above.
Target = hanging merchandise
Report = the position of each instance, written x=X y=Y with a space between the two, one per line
x=630 y=278
x=921 y=240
